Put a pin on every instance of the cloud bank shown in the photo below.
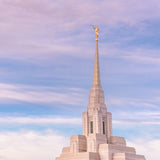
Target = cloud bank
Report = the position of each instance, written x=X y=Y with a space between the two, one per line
x=24 y=145
x=149 y=148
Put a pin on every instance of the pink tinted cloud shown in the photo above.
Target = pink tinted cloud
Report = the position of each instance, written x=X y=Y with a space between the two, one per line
x=30 y=28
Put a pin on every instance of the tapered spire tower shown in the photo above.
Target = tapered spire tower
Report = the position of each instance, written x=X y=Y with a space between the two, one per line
x=96 y=73
x=96 y=97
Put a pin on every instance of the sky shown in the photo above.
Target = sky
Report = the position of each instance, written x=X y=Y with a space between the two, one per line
x=46 y=66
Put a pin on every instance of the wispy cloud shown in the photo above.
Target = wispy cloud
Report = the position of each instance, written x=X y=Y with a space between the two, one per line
x=135 y=122
x=139 y=118
x=35 y=120
x=135 y=111
x=34 y=29
x=131 y=119
x=145 y=59
x=40 y=94
x=134 y=102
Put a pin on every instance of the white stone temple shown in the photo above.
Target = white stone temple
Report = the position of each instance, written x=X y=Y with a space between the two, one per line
x=97 y=141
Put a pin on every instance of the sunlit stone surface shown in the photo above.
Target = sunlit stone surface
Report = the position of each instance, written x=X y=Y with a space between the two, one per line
x=97 y=142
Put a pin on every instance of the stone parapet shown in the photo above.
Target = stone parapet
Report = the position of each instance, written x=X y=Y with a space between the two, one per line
x=65 y=150
x=117 y=140
x=79 y=156
x=127 y=156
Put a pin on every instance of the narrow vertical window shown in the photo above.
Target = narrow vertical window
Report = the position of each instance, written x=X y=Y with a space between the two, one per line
x=91 y=124
x=103 y=127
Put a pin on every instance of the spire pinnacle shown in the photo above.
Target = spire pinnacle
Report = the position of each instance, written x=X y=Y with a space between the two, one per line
x=96 y=73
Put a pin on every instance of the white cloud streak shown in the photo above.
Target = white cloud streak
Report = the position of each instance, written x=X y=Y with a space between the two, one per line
x=135 y=111
x=135 y=102
x=154 y=119
x=34 y=120
x=133 y=119
x=40 y=94
x=134 y=122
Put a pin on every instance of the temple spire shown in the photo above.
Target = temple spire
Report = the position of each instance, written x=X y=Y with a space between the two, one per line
x=96 y=96
x=96 y=73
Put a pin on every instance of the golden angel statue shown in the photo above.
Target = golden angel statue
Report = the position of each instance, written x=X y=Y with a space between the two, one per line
x=96 y=30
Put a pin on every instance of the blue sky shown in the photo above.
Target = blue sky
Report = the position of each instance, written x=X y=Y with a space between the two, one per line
x=46 y=67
